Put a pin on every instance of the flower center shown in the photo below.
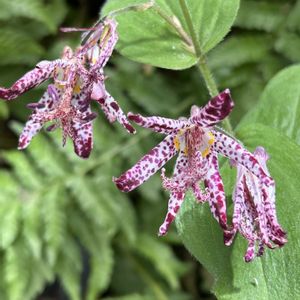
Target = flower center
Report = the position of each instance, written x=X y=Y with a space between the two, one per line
x=192 y=139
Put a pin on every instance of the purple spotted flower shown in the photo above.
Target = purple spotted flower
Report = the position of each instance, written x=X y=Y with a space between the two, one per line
x=254 y=213
x=197 y=143
x=77 y=79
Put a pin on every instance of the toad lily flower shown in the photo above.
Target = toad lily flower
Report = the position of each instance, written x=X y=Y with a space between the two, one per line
x=77 y=78
x=197 y=143
x=254 y=211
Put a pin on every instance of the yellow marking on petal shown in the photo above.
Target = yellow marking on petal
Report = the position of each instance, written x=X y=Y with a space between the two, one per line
x=205 y=152
x=77 y=88
x=94 y=60
x=59 y=86
x=186 y=151
x=176 y=143
x=212 y=138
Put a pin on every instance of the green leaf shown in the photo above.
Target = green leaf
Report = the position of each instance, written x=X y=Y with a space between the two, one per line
x=148 y=38
x=275 y=274
x=279 y=104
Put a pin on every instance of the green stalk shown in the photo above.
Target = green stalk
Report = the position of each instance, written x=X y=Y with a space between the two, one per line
x=191 y=28
x=202 y=63
x=174 y=23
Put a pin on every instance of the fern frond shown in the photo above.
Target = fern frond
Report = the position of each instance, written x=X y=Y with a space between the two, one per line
x=161 y=257
x=32 y=9
x=260 y=15
x=53 y=214
x=16 y=271
x=288 y=44
x=28 y=176
x=10 y=217
x=239 y=50
x=17 y=47
x=293 y=23
x=69 y=268
x=33 y=225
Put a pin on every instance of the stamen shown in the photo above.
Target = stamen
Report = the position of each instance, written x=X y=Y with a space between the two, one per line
x=176 y=143
x=35 y=105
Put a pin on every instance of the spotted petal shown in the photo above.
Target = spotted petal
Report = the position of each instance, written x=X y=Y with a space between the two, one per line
x=175 y=201
x=147 y=165
x=158 y=124
x=35 y=123
x=230 y=148
x=217 y=200
x=110 y=107
x=177 y=188
x=254 y=211
x=106 y=44
x=216 y=110
x=83 y=138
x=277 y=234
x=40 y=73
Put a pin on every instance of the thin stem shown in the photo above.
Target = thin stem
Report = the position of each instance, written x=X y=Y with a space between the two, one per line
x=191 y=28
x=208 y=77
x=202 y=63
x=174 y=22
x=212 y=88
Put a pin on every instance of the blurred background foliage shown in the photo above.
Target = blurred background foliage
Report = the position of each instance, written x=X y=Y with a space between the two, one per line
x=66 y=232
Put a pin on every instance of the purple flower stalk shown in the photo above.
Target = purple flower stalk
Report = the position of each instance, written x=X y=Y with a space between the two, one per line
x=254 y=213
x=77 y=78
x=197 y=143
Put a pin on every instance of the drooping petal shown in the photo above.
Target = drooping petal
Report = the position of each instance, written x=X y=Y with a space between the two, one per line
x=158 y=124
x=40 y=73
x=83 y=138
x=175 y=201
x=177 y=187
x=147 y=165
x=253 y=216
x=36 y=120
x=230 y=148
x=276 y=233
x=250 y=253
x=110 y=107
x=217 y=200
x=216 y=110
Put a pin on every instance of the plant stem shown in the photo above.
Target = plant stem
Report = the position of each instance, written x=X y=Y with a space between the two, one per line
x=212 y=88
x=191 y=28
x=208 y=77
x=202 y=63
x=174 y=22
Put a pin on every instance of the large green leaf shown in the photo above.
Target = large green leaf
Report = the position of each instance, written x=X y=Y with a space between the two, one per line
x=148 y=38
x=279 y=105
x=274 y=276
